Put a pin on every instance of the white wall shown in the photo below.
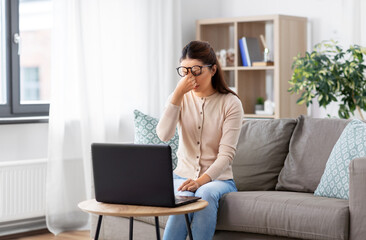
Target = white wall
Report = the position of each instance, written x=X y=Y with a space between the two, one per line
x=192 y=10
x=23 y=141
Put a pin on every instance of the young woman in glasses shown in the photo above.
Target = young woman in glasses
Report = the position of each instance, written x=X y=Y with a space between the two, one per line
x=209 y=118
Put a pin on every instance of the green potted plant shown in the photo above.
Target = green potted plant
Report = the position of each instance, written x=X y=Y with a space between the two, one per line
x=259 y=106
x=331 y=74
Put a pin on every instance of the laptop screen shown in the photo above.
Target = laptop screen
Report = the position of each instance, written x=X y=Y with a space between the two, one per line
x=133 y=174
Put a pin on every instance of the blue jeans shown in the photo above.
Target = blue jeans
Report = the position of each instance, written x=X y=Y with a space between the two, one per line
x=203 y=223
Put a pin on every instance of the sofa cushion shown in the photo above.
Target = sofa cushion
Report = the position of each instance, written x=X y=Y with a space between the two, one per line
x=231 y=235
x=261 y=152
x=145 y=133
x=310 y=146
x=288 y=214
x=350 y=145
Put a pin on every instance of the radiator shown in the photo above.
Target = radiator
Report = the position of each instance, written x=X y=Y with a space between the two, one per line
x=22 y=189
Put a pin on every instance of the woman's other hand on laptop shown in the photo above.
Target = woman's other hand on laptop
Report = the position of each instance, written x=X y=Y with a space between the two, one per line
x=192 y=185
x=189 y=185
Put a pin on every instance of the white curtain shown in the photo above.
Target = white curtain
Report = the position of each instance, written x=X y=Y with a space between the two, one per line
x=109 y=57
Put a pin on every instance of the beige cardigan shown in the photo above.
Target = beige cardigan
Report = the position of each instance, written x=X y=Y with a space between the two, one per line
x=209 y=130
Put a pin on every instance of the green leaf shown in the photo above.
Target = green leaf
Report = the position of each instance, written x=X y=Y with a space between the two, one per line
x=300 y=101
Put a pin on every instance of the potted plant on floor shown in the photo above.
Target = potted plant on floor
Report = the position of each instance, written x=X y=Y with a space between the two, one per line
x=331 y=74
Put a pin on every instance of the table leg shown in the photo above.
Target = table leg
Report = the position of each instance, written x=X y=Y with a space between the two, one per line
x=157 y=228
x=131 y=228
x=98 y=227
x=188 y=227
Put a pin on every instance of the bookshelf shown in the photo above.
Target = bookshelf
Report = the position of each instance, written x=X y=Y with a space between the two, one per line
x=285 y=37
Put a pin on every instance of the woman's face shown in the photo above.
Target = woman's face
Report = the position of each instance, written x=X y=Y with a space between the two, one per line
x=203 y=80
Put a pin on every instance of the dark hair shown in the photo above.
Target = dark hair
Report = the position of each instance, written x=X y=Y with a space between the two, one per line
x=204 y=52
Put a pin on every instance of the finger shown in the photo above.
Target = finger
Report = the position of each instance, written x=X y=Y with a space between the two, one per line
x=180 y=187
x=190 y=78
x=187 y=181
x=190 y=82
x=194 y=84
x=183 y=184
x=184 y=188
x=194 y=187
x=187 y=186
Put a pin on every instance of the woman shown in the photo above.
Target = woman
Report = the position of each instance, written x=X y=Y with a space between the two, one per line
x=209 y=117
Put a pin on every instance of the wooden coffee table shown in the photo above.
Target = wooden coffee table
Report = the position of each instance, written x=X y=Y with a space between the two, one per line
x=131 y=211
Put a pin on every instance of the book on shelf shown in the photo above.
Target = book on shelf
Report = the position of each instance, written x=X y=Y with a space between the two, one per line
x=261 y=64
x=254 y=52
x=243 y=52
x=250 y=51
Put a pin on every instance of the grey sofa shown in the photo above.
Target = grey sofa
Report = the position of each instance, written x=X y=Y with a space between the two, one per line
x=277 y=167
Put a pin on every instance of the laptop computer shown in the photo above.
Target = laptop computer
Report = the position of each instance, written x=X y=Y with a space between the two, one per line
x=135 y=174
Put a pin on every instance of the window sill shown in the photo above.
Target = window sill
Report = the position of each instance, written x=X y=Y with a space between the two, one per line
x=18 y=120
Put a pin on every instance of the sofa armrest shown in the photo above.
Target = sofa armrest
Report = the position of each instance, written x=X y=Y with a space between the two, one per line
x=357 y=198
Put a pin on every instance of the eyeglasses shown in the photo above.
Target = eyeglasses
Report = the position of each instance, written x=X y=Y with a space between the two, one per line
x=195 y=70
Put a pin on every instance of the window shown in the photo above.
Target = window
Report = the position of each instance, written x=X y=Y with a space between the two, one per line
x=3 y=85
x=29 y=80
x=25 y=69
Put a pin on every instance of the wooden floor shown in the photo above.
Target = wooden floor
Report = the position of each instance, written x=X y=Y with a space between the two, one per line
x=79 y=235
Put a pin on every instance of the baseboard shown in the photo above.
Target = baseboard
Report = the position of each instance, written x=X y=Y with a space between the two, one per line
x=26 y=227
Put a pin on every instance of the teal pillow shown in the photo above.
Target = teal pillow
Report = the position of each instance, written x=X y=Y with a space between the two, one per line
x=145 y=133
x=350 y=145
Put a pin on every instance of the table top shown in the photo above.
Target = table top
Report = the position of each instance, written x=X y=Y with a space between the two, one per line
x=121 y=210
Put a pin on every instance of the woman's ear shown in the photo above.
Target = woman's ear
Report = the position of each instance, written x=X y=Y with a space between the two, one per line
x=213 y=69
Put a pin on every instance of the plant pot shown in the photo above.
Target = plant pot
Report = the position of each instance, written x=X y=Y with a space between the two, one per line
x=259 y=107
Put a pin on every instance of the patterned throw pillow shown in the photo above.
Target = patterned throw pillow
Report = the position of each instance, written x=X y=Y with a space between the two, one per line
x=145 y=133
x=350 y=145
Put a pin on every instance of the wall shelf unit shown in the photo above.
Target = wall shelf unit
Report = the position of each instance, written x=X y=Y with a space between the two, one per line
x=285 y=37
